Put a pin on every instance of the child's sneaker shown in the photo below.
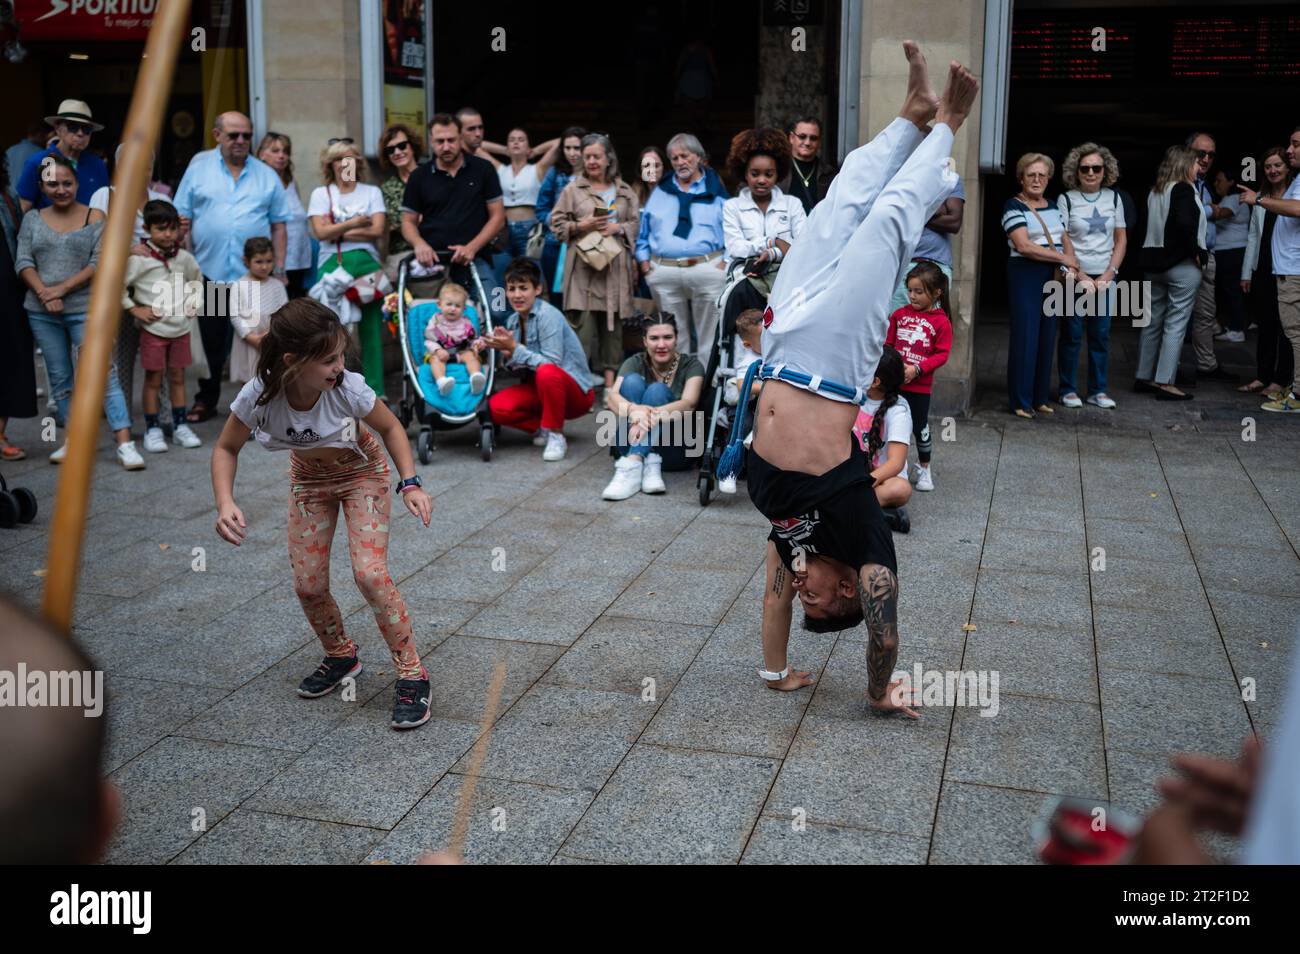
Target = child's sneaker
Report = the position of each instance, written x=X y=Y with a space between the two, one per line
x=445 y=384
x=923 y=479
x=731 y=393
x=477 y=381
x=129 y=456
x=727 y=485
x=328 y=675
x=183 y=436
x=412 y=707
x=154 y=441
x=897 y=519
x=556 y=446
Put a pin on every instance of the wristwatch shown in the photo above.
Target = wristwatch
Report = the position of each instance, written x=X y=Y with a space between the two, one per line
x=408 y=483
x=774 y=676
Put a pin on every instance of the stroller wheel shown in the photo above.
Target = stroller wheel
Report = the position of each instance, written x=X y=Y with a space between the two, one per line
x=26 y=504
x=8 y=509
x=424 y=446
x=485 y=442
x=705 y=487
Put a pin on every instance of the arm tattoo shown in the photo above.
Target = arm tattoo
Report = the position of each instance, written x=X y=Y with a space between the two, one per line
x=779 y=583
x=880 y=611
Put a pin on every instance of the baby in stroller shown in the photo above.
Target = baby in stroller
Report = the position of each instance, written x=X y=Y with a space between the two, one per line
x=451 y=337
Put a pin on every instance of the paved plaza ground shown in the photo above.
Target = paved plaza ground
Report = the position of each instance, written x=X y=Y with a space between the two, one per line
x=1103 y=673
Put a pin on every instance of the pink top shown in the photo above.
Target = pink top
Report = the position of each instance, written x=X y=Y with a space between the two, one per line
x=450 y=337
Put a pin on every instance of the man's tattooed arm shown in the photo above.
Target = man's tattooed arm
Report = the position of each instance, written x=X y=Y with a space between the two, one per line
x=779 y=583
x=879 y=594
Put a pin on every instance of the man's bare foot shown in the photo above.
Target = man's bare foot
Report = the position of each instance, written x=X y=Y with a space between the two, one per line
x=796 y=680
x=958 y=96
x=920 y=104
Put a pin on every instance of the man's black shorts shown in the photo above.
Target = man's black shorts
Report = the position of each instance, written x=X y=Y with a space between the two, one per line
x=834 y=515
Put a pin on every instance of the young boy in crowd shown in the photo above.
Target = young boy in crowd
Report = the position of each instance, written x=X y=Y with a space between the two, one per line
x=161 y=307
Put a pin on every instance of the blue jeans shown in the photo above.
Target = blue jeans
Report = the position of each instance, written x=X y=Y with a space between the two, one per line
x=517 y=243
x=635 y=389
x=56 y=336
x=1030 y=348
x=1067 y=354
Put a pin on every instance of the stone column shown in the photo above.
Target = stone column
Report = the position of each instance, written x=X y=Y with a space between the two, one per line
x=947 y=30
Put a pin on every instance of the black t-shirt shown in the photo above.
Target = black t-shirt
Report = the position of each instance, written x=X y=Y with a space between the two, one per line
x=453 y=208
x=834 y=515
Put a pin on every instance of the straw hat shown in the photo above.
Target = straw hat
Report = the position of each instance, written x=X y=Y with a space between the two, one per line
x=76 y=111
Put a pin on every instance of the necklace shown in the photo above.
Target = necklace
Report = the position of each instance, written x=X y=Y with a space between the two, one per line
x=806 y=179
x=666 y=376
x=1095 y=196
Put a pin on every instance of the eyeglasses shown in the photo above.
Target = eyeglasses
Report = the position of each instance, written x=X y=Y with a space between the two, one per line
x=343 y=139
x=1205 y=153
x=239 y=135
x=396 y=147
x=807 y=137
x=1035 y=175
x=81 y=129
x=1091 y=168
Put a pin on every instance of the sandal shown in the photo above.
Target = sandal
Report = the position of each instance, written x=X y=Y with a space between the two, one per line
x=1254 y=387
x=10 y=452
x=1021 y=412
x=199 y=412
x=1044 y=409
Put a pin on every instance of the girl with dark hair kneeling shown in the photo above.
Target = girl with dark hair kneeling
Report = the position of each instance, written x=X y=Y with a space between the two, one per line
x=884 y=429
x=653 y=396
x=303 y=401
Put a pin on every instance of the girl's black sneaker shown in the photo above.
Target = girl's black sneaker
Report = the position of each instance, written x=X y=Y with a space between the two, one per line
x=412 y=706
x=328 y=675
x=897 y=519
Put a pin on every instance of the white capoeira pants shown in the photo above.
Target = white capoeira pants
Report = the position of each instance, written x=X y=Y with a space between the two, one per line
x=828 y=313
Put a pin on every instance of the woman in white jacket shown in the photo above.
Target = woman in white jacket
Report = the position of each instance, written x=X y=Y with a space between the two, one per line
x=761 y=222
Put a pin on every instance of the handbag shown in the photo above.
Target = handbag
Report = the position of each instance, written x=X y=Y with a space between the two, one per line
x=598 y=250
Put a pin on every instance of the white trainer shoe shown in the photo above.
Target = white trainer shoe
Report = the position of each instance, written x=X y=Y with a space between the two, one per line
x=539 y=439
x=184 y=436
x=154 y=441
x=923 y=479
x=652 y=478
x=1071 y=400
x=129 y=456
x=627 y=479
x=445 y=384
x=556 y=446
x=731 y=393
x=58 y=455
x=1101 y=400
x=727 y=485
x=477 y=382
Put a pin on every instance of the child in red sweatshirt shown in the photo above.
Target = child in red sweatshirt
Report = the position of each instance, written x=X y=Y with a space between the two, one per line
x=922 y=334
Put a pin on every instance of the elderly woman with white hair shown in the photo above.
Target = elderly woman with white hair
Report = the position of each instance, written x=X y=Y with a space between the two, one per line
x=348 y=218
x=1093 y=216
x=681 y=248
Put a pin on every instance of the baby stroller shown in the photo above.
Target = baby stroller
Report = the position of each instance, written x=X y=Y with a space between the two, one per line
x=420 y=398
x=737 y=295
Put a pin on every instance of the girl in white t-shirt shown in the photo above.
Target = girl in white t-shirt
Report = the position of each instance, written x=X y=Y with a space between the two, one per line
x=303 y=401
x=884 y=428
x=348 y=218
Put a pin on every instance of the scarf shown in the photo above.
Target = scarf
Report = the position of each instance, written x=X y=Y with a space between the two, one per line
x=156 y=252
x=713 y=189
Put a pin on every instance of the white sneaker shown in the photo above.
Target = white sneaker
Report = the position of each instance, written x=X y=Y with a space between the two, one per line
x=923 y=479
x=129 y=456
x=1235 y=336
x=154 y=441
x=731 y=393
x=627 y=479
x=1101 y=400
x=58 y=455
x=445 y=384
x=727 y=485
x=539 y=439
x=477 y=381
x=184 y=436
x=1071 y=400
x=556 y=446
x=652 y=478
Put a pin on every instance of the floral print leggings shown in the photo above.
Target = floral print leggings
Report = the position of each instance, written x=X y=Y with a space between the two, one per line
x=360 y=482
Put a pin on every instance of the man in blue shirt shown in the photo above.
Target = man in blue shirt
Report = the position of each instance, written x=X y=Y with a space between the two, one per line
x=74 y=124
x=680 y=249
x=935 y=244
x=225 y=198
x=1203 y=318
x=16 y=156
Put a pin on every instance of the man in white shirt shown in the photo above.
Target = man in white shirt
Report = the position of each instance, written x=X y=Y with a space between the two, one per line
x=1286 y=266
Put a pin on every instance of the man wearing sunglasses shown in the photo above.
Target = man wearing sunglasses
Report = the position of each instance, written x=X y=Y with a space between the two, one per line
x=1203 y=314
x=809 y=176
x=73 y=125
x=225 y=198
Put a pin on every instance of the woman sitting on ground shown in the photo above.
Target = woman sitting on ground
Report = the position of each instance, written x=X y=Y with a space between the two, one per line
x=653 y=387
